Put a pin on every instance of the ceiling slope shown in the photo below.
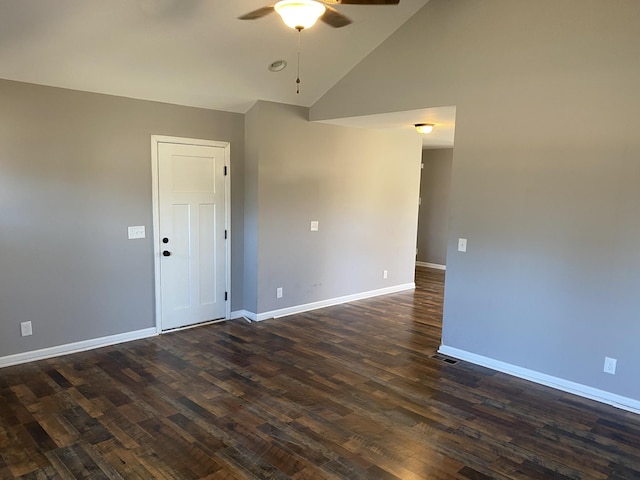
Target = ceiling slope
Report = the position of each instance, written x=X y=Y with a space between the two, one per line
x=187 y=52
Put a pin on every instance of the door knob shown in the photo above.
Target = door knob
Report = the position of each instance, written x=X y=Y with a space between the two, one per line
x=166 y=253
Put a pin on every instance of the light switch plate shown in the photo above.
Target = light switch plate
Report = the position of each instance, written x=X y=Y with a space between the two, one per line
x=136 y=232
x=462 y=244
x=315 y=225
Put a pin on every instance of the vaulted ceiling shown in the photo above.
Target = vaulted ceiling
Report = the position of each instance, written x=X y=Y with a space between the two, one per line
x=187 y=52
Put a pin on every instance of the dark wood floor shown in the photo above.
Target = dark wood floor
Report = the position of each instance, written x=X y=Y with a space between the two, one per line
x=347 y=392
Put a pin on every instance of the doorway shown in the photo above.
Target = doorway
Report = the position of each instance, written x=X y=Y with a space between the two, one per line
x=191 y=181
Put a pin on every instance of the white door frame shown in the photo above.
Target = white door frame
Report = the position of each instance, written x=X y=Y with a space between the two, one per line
x=155 y=191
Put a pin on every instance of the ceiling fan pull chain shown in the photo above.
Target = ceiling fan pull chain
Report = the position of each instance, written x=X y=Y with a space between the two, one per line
x=298 y=79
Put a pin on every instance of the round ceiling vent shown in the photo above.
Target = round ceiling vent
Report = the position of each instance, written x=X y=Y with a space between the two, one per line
x=278 y=65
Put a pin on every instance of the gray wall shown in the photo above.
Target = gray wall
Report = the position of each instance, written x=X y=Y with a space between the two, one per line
x=75 y=171
x=253 y=140
x=361 y=185
x=433 y=216
x=545 y=174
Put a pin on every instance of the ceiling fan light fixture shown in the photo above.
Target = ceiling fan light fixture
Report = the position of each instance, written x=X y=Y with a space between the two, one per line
x=424 y=128
x=299 y=14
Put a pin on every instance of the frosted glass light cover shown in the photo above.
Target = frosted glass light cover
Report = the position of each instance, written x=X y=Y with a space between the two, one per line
x=299 y=13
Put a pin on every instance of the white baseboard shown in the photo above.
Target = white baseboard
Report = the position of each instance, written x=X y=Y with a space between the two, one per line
x=431 y=265
x=82 y=346
x=283 y=312
x=624 y=403
x=243 y=314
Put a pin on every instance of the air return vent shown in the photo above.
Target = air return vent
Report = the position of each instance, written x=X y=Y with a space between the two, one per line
x=444 y=358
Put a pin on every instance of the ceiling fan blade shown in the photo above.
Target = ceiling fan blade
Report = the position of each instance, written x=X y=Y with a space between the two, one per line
x=259 y=13
x=334 y=18
x=366 y=2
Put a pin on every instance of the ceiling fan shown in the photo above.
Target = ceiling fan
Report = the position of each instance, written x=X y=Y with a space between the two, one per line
x=300 y=14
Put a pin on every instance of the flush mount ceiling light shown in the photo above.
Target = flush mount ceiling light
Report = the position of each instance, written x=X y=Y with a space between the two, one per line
x=424 y=128
x=299 y=14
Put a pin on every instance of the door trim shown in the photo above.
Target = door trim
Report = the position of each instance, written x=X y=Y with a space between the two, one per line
x=155 y=192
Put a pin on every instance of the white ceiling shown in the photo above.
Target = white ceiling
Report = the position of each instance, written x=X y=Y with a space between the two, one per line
x=444 y=119
x=187 y=52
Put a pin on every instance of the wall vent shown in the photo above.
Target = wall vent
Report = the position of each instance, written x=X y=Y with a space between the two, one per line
x=444 y=358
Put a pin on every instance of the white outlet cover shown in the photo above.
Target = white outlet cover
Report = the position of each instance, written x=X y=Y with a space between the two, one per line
x=315 y=225
x=279 y=292
x=610 y=365
x=462 y=244
x=25 y=329
x=136 y=232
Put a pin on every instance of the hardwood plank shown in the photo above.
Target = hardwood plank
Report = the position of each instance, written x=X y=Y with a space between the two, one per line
x=346 y=392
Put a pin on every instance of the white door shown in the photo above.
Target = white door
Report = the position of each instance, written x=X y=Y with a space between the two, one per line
x=191 y=204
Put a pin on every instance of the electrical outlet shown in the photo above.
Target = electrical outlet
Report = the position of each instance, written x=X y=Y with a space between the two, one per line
x=25 y=329
x=385 y=274
x=462 y=244
x=279 y=292
x=315 y=225
x=610 y=365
